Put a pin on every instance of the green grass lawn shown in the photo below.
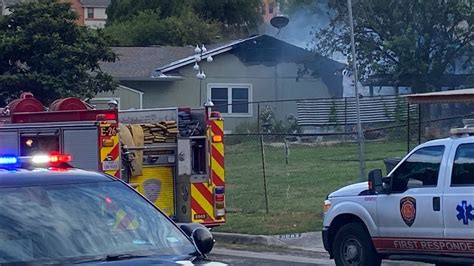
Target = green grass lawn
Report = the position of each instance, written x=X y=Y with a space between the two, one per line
x=295 y=191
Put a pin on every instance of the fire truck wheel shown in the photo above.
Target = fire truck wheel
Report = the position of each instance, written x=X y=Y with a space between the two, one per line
x=353 y=246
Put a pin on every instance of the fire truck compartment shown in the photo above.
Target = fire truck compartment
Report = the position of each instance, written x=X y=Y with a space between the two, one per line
x=38 y=143
x=199 y=156
x=157 y=185
x=157 y=181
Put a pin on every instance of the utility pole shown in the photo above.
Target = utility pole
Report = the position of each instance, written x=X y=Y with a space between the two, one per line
x=360 y=133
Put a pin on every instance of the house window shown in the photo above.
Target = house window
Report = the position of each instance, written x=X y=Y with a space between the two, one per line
x=240 y=99
x=220 y=98
x=231 y=99
x=90 y=12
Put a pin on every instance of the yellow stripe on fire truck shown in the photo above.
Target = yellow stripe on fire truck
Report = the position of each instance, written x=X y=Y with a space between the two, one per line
x=202 y=205
x=109 y=149
x=207 y=203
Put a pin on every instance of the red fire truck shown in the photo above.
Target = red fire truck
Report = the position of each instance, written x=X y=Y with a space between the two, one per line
x=173 y=156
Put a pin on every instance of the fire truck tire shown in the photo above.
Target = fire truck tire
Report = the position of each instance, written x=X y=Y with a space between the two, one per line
x=353 y=246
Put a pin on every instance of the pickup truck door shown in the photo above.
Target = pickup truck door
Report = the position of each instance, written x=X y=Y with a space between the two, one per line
x=412 y=210
x=458 y=199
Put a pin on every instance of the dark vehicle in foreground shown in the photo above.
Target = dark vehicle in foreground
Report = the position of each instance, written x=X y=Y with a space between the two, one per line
x=51 y=213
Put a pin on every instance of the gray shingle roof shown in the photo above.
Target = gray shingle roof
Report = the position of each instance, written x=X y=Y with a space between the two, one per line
x=97 y=3
x=11 y=2
x=140 y=62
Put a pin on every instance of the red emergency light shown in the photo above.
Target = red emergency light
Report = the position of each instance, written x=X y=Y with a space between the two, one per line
x=106 y=117
x=51 y=158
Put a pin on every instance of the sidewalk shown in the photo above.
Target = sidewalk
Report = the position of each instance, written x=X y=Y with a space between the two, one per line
x=311 y=241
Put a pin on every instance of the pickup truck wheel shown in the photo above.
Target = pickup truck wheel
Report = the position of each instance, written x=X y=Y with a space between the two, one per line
x=353 y=246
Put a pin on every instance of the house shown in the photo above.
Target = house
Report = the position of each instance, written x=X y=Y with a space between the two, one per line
x=260 y=68
x=5 y=4
x=93 y=12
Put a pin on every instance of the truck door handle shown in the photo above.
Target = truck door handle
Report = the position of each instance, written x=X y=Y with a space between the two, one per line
x=436 y=204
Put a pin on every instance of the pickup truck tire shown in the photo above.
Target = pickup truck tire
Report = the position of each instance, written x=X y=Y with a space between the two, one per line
x=353 y=246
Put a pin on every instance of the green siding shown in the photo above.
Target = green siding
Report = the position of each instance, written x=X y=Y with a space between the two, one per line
x=227 y=68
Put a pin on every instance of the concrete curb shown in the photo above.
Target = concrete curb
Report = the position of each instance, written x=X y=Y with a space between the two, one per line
x=305 y=241
x=243 y=239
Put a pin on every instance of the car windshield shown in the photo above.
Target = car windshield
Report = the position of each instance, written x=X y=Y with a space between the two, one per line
x=71 y=222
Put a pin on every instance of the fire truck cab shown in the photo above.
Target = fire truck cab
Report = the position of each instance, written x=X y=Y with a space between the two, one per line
x=173 y=156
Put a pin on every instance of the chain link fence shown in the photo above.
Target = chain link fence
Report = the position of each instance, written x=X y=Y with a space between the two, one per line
x=276 y=166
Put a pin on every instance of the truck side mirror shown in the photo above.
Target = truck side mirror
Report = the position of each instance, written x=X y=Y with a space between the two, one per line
x=200 y=235
x=375 y=181
x=204 y=240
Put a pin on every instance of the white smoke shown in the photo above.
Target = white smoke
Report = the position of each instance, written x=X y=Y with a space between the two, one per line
x=303 y=22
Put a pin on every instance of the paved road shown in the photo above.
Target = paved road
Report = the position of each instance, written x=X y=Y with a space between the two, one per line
x=243 y=257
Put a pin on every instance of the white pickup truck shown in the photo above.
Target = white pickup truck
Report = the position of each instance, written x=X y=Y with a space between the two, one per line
x=422 y=211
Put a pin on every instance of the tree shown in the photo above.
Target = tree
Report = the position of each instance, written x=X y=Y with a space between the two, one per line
x=123 y=10
x=169 y=22
x=43 y=51
x=414 y=42
x=238 y=17
x=147 y=28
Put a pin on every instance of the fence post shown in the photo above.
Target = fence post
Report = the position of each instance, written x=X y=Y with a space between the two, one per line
x=419 y=123
x=345 y=120
x=262 y=149
x=408 y=127
x=258 y=118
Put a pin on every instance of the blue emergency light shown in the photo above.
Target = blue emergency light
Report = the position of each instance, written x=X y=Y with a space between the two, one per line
x=219 y=190
x=8 y=160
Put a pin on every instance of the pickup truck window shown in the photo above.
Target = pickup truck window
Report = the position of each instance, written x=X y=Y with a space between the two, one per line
x=421 y=169
x=463 y=168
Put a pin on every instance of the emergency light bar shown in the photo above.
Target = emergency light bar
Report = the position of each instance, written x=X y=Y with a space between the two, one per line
x=467 y=131
x=53 y=158
x=36 y=159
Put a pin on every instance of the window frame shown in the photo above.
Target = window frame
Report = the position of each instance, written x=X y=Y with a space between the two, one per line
x=87 y=12
x=453 y=167
x=392 y=177
x=229 y=87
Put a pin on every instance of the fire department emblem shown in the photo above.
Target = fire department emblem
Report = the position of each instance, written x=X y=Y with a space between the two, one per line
x=408 y=210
